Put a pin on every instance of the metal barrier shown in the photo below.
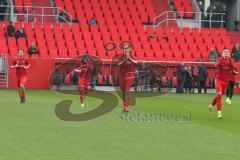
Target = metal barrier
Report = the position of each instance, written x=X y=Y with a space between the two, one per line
x=167 y=16
x=30 y=13
x=3 y=71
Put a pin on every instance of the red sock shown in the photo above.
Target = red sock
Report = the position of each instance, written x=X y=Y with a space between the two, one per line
x=81 y=98
x=125 y=105
x=219 y=103
x=217 y=100
x=214 y=101
x=219 y=106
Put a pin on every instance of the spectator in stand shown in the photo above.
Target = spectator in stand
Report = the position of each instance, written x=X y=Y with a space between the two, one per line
x=215 y=17
x=209 y=15
x=92 y=21
x=181 y=74
x=152 y=79
x=236 y=52
x=189 y=78
x=213 y=55
x=63 y=17
x=67 y=79
x=20 y=33
x=93 y=77
x=74 y=78
x=32 y=50
x=136 y=80
x=57 y=79
x=3 y=9
x=145 y=77
x=195 y=75
x=105 y=72
x=203 y=75
x=10 y=30
x=224 y=17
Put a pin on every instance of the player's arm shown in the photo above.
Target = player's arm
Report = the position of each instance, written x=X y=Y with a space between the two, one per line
x=26 y=66
x=134 y=61
x=77 y=70
x=14 y=65
x=219 y=62
x=233 y=66
x=122 y=60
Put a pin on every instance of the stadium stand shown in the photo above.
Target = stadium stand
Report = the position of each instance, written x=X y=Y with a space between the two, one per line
x=115 y=23
x=62 y=41
x=117 y=20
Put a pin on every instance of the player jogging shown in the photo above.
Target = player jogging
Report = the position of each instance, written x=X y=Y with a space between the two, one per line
x=230 y=88
x=225 y=67
x=126 y=70
x=84 y=69
x=21 y=65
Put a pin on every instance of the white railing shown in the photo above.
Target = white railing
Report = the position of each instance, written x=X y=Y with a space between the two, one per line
x=29 y=12
x=166 y=17
x=4 y=70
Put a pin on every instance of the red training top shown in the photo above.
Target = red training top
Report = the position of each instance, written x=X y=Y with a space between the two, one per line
x=225 y=66
x=20 y=70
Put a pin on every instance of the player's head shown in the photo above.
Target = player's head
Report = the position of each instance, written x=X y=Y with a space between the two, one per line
x=84 y=57
x=20 y=53
x=127 y=49
x=226 y=53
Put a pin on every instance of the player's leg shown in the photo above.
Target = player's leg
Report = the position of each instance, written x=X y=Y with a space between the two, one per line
x=215 y=100
x=81 y=96
x=22 y=90
x=231 y=88
x=205 y=87
x=125 y=100
x=22 y=81
x=228 y=94
x=81 y=90
x=228 y=90
x=219 y=102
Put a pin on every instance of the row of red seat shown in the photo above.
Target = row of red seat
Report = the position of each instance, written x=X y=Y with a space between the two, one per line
x=183 y=6
x=65 y=41
x=119 y=9
x=19 y=3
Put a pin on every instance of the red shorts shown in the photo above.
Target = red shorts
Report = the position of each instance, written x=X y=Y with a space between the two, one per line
x=21 y=80
x=126 y=82
x=220 y=86
x=83 y=83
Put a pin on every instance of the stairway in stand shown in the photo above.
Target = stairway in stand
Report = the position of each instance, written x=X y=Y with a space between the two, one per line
x=3 y=73
x=49 y=11
x=161 y=6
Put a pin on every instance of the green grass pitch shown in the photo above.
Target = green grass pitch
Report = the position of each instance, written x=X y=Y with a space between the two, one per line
x=31 y=131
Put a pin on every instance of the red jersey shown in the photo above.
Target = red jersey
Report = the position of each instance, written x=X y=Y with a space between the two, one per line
x=20 y=70
x=225 y=66
x=85 y=68
x=127 y=68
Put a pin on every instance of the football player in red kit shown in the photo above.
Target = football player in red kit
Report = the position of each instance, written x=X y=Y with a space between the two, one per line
x=126 y=66
x=84 y=69
x=21 y=65
x=225 y=67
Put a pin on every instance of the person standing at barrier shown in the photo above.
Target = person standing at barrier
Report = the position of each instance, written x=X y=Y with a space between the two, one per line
x=21 y=65
x=195 y=75
x=181 y=74
x=203 y=75
x=3 y=8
